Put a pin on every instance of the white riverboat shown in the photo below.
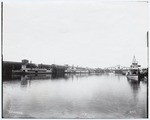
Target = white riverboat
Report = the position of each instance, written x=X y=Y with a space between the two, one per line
x=30 y=70
x=133 y=73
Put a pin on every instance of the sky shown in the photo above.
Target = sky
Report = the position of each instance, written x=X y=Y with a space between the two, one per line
x=88 y=33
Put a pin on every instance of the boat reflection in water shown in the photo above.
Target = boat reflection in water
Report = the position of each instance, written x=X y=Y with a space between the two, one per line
x=51 y=76
x=135 y=85
x=136 y=89
x=26 y=79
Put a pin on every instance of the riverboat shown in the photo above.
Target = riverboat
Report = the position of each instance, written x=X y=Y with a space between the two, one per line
x=133 y=73
x=30 y=70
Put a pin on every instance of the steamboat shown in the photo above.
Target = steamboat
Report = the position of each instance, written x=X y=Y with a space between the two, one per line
x=36 y=70
x=133 y=73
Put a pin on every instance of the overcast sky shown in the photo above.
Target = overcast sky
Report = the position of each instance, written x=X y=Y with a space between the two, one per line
x=85 y=33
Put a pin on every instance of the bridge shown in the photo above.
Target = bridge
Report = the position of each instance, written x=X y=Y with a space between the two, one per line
x=118 y=69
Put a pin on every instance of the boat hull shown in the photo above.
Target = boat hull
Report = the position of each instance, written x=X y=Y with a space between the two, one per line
x=133 y=77
x=31 y=72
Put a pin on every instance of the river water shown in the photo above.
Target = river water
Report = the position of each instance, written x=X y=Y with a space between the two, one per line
x=74 y=96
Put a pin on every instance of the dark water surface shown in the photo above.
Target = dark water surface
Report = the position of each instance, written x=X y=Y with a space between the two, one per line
x=74 y=96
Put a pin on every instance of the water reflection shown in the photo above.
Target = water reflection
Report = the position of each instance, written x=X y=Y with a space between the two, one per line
x=136 y=88
x=135 y=85
x=24 y=78
x=74 y=96
x=118 y=76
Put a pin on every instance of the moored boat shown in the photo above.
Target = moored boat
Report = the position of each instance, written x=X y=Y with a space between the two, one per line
x=134 y=77
x=31 y=70
x=133 y=73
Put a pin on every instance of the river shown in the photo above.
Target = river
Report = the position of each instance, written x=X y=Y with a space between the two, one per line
x=74 y=96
